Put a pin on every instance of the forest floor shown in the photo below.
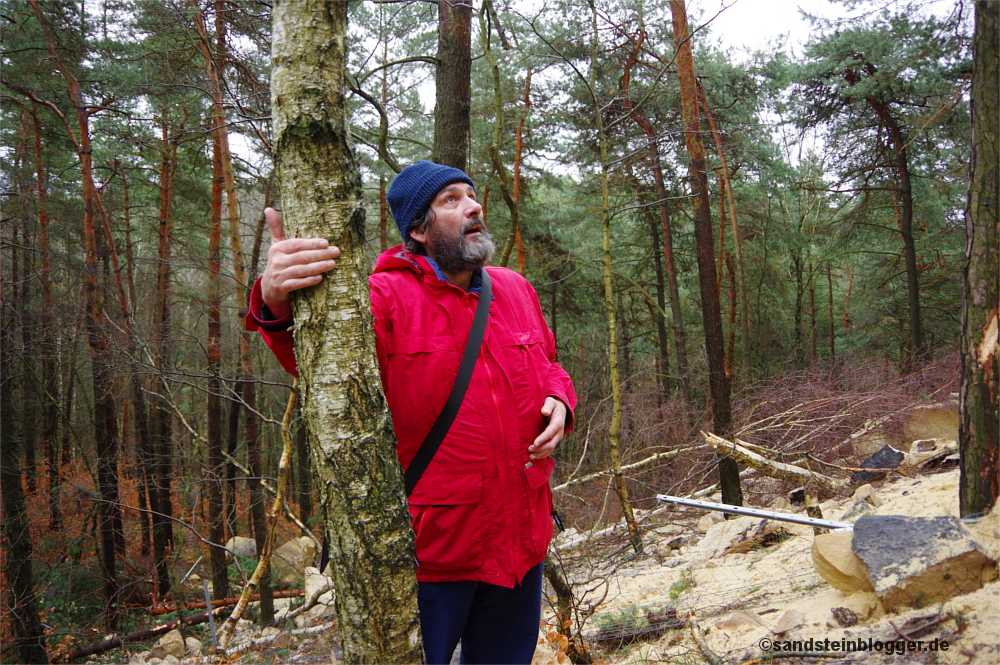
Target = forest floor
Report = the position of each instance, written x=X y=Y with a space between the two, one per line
x=720 y=610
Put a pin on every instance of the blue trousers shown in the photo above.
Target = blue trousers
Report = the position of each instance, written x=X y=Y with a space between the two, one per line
x=496 y=624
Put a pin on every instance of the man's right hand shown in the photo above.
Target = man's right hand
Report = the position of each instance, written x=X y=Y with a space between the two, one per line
x=292 y=264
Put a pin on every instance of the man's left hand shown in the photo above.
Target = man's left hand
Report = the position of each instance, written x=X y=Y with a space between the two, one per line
x=546 y=442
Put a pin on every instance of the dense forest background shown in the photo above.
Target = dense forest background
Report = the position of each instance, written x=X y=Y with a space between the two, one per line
x=136 y=162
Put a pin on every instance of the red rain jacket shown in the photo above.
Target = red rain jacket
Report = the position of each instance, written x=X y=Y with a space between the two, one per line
x=482 y=510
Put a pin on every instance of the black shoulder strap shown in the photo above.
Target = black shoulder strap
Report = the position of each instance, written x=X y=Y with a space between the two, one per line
x=450 y=410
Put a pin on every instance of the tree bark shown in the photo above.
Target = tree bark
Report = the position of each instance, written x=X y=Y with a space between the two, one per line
x=677 y=316
x=50 y=370
x=509 y=195
x=356 y=469
x=918 y=345
x=979 y=389
x=216 y=461
x=655 y=166
x=614 y=429
x=719 y=384
x=727 y=185
x=27 y=643
x=160 y=498
x=453 y=90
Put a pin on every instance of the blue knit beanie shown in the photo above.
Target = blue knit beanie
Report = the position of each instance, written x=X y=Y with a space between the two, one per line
x=412 y=191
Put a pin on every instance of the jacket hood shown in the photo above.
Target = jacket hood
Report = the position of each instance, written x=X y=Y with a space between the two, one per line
x=397 y=258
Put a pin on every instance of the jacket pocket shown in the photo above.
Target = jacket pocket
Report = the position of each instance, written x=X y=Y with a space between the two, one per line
x=447 y=513
x=537 y=477
x=524 y=354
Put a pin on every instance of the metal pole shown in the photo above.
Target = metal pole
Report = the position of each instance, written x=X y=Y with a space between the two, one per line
x=208 y=606
x=754 y=512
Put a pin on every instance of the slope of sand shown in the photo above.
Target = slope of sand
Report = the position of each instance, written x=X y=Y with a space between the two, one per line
x=736 y=601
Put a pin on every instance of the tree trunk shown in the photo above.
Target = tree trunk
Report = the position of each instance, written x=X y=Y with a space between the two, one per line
x=383 y=216
x=357 y=472
x=139 y=402
x=50 y=369
x=727 y=185
x=29 y=389
x=718 y=381
x=663 y=361
x=27 y=643
x=979 y=390
x=653 y=151
x=160 y=498
x=216 y=461
x=677 y=316
x=798 y=353
x=614 y=429
x=918 y=345
x=509 y=196
x=453 y=98
x=258 y=509
x=832 y=333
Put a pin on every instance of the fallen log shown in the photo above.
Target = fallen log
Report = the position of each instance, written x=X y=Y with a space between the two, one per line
x=670 y=454
x=778 y=470
x=222 y=602
x=116 y=641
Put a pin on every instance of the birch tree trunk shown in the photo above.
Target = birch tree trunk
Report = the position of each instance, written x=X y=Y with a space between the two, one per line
x=357 y=474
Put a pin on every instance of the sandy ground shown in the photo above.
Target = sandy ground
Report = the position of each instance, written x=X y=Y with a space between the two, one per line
x=740 y=602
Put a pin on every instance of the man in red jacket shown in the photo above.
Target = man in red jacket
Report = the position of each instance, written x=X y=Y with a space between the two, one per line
x=482 y=511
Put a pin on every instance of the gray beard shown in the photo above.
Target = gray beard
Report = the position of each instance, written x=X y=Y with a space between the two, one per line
x=458 y=253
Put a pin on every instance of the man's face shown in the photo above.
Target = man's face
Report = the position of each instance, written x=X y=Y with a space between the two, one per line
x=457 y=237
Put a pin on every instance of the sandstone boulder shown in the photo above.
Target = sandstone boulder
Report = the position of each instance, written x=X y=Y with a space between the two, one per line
x=668 y=548
x=316 y=583
x=708 y=520
x=277 y=638
x=193 y=647
x=781 y=504
x=242 y=546
x=836 y=562
x=294 y=557
x=924 y=451
x=867 y=494
x=739 y=535
x=171 y=644
x=856 y=510
x=790 y=620
x=932 y=421
x=919 y=560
